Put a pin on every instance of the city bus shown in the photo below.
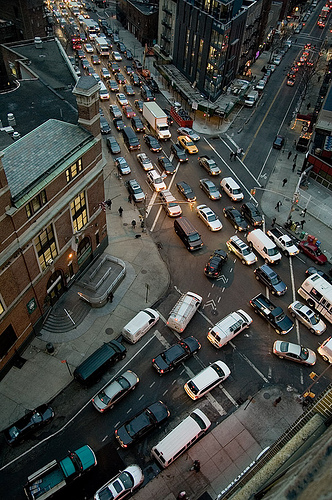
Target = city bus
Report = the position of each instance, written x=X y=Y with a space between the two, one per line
x=318 y=293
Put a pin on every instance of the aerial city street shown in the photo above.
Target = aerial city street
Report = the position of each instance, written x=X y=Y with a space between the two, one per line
x=166 y=260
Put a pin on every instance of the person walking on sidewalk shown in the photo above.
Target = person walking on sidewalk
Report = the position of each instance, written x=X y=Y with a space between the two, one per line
x=231 y=155
x=289 y=155
x=130 y=198
x=109 y=203
x=196 y=466
x=303 y=213
x=294 y=166
x=295 y=158
x=120 y=210
x=302 y=222
x=278 y=205
x=274 y=220
x=284 y=182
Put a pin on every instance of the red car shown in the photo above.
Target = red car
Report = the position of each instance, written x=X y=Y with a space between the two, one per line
x=129 y=112
x=313 y=252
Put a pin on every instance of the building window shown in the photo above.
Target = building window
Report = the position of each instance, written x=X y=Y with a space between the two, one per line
x=74 y=170
x=46 y=247
x=35 y=204
x=79 y=212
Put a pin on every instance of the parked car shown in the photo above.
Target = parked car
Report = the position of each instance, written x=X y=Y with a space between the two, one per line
x=210 y=189
x=135 y=190
x=278 y=142
x=209 y=217
x=166 y=164
x=176 y=354
x=152 y=143
x=234 y=216
x=29 y=424
x=113 y=392
x=145 y=162
x=189 y=132
x=113 y=145
x=186 y=191
x=312 y=251
x=294 y=352
x=122 y=165
x=241 y=250
x=307 y=317
x=121 y=485
x=145 y=421
x=179 y=153
x=128 y=54
x=270 y=279
x=213 y=268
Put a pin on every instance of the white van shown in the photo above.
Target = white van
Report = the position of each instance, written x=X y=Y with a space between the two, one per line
x=325 y=350
x=231 y=188
x=264 y=245
x=139 y=325
x=181 y=438
x=226 y=329
x=183 y=311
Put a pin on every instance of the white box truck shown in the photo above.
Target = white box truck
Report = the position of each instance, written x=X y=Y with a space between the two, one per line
x=102 y=46
x=183 y=311
x=157 y=120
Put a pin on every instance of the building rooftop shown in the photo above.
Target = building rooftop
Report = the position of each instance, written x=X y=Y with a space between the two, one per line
x=45 y=90
x=39 y=154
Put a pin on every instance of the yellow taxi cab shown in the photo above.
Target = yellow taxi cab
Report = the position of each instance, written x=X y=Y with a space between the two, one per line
x=187 y=144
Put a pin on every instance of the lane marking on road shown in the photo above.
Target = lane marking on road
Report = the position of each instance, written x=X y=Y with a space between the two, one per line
x=297 y=325
x=104 y=439
x=250 y=363
x=240 y=160
x=233 y=172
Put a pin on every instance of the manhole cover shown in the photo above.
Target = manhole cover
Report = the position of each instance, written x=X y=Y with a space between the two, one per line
x=143 y=271
x=109 y=331
x=266 y=395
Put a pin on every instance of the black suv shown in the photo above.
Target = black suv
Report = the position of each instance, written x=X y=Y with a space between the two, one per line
x=186 y=191
x=166 y=164
x=270 y=279
x=252 y=214
x=213 y=268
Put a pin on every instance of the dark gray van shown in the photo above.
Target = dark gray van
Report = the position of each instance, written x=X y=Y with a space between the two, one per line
x=130 y=139
x=188 y=234
x=99 y=361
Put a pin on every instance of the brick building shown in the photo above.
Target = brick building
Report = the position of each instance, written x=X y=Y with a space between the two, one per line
x=51 y=223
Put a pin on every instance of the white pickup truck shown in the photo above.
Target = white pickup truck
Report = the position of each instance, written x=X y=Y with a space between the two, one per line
x=283 y=241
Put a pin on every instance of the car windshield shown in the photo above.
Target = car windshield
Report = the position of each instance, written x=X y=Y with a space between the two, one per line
x=218 y=370
x=193 y=388
x=123 y=382
x=236 y=191
x=275 y=280
x=304 y=353
x=127 y=480
x=245 y=251
x=280 y=317
x=211 y=217
x=193 y=237
x=314 y=318
x=104 y=398
x=272 y=251
x=189 y=143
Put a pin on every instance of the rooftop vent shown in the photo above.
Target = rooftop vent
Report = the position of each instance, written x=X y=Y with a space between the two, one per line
x=11 y=120
x=16 y=136
x=38 y=42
